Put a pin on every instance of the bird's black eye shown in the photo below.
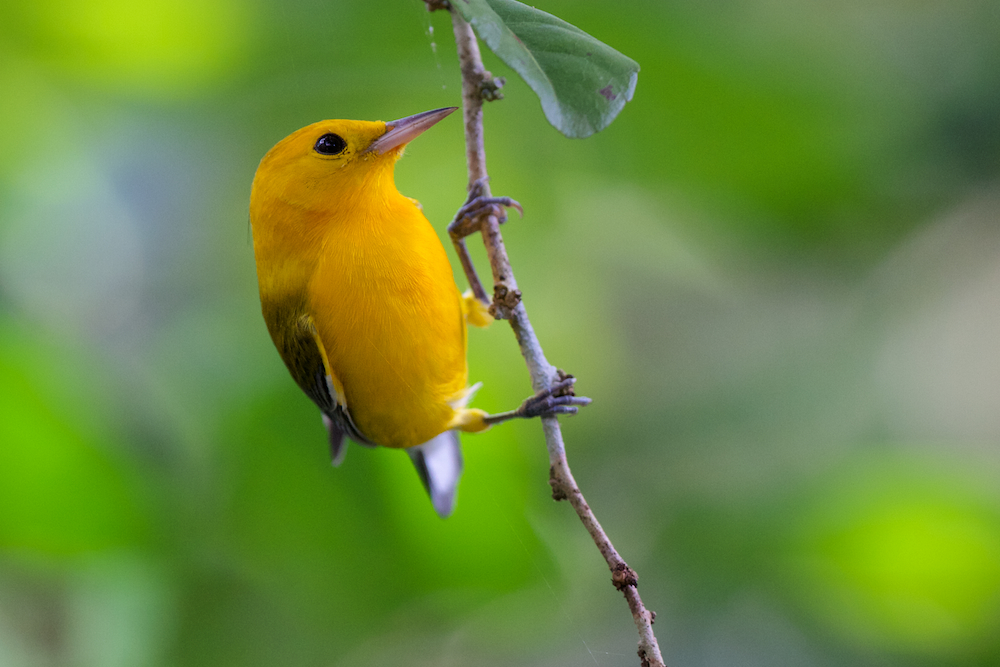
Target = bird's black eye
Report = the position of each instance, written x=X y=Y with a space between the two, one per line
x=330 y=144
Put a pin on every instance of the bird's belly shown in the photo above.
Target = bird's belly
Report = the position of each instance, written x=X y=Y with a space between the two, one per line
x=396 y=341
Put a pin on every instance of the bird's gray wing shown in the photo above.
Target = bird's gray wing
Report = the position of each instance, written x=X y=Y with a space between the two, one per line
x=295 y=336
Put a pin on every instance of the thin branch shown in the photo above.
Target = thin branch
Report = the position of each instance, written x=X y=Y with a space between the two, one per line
x=507 y=304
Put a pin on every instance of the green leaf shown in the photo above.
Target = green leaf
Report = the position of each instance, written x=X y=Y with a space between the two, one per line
x=583 y=83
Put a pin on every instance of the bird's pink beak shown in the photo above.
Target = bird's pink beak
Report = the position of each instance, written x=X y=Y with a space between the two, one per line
x=404 y=130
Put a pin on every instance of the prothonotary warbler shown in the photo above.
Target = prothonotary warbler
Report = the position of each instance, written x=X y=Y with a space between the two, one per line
x=359 y=298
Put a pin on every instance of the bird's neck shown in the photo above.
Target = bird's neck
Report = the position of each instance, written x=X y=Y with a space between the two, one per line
x=300 y=226
x=354 y=196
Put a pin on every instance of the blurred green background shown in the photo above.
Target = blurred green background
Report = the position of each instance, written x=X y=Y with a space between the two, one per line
x=777 y=274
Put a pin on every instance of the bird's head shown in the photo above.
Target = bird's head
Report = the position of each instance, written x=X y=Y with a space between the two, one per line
x=312 y=165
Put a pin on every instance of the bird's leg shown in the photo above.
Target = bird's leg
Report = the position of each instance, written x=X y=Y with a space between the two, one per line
x=556 y=400
x=469 y=220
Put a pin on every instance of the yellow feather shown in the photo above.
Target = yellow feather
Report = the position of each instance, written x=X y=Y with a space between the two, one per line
x=335 y=242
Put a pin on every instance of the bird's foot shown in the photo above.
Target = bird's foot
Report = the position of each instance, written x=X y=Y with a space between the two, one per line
x=558 y=399
x=476 y=208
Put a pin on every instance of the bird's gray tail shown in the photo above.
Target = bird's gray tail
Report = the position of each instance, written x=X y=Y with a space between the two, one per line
x=439 y=464
x=338 y=440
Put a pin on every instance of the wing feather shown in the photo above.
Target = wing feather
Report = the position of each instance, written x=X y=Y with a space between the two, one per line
x=301 y=348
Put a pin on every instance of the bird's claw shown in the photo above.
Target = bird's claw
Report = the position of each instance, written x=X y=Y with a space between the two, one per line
x=556 y=400
x=477 y=207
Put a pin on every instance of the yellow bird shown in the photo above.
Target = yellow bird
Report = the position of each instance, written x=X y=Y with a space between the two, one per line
x=359 y=298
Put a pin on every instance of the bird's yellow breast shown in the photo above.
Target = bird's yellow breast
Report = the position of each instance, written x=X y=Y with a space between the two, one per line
x=385 y=305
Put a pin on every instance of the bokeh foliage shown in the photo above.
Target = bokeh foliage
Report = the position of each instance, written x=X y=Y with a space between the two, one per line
x=776 y=273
